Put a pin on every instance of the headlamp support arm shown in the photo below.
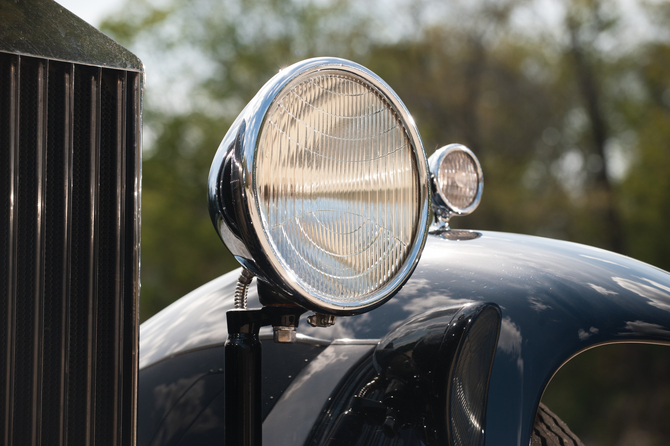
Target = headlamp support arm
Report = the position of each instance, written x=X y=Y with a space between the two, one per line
x=243 y=369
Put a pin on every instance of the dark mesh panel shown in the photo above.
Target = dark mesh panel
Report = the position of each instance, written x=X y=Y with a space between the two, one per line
x=26 y=260
x=55 y=291
x=80 y=276
x=108 y=263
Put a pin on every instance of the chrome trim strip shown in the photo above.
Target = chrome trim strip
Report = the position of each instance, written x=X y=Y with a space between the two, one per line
x=346 y=341
x=136 y=69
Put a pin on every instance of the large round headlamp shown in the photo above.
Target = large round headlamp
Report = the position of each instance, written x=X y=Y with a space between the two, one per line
x=320 y=187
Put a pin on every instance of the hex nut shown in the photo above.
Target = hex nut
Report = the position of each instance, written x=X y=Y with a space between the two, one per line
x=284 y=334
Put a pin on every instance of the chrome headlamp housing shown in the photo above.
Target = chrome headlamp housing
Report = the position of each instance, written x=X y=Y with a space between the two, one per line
x=320 y=187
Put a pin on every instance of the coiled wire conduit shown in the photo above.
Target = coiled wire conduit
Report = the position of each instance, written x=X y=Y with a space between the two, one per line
x=242 y=288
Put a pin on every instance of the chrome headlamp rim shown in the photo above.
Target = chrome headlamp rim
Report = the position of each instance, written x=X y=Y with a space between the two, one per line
x=254 y=250
x=441 y=204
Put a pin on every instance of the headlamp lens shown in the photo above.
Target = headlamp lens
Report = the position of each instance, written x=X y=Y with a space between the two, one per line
x=337 y=186
x=458 y=179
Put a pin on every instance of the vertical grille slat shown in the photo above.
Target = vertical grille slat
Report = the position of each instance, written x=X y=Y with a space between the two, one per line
x=93 y=246
x=131 y=255
x=110 y=274
x=56 y=276
x=9 y=85
x=82 y=277
x=22 y=333
x=27 y=331
x=121 y=100
x=69 y=255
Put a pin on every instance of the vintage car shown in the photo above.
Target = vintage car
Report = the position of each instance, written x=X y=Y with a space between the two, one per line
x=416 y=333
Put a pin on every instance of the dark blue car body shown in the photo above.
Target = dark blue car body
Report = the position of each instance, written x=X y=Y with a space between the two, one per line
x=545 y=301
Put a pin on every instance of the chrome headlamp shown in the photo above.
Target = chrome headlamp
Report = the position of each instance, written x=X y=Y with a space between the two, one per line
x=458 y=181
x=320 y=187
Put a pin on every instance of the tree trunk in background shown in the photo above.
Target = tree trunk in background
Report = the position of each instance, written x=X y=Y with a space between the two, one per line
x=603 y=194
x=474 y=71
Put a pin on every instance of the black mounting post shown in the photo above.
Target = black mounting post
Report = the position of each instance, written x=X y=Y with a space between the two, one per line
x=243 y=370
x=243 y=379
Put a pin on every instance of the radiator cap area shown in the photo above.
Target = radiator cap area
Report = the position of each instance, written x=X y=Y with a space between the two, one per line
x=48 y=30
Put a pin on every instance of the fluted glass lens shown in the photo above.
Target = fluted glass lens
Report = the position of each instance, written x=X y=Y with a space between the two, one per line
x=336 y=186
x=458 y=179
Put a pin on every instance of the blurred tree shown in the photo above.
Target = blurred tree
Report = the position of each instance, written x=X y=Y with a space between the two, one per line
x=586 y=22
x=646 y=189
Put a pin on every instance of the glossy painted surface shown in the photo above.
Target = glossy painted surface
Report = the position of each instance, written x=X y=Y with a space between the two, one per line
x=556 y=299
x=181 y=399
x=296 y=413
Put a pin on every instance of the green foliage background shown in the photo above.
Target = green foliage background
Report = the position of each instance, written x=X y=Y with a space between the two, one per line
x=568 y=109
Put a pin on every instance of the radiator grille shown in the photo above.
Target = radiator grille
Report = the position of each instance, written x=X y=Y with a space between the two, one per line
x=69 y=252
